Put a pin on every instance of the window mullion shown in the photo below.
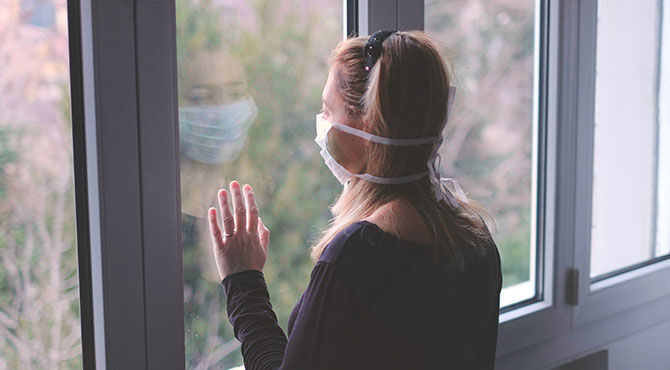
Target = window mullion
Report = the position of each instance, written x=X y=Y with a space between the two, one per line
x=132 y=157
x=584 y=141
x=160 y=186
x=113 y=177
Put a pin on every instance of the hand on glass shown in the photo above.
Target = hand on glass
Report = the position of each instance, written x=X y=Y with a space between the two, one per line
x=243 y=244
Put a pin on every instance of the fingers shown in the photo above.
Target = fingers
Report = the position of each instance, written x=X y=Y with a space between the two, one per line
x=228 y=220
x=263 y=234
x=252 y=209
x=214 y=229
x=239 y=212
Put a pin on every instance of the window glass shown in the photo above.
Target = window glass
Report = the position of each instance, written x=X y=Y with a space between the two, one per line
x=631 y=188
x=490 y=140
x=39 y=296
x=250 y=80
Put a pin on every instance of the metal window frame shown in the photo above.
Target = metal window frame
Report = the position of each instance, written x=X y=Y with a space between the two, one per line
x=124 y=88
x=80 y=186
x=374 y=15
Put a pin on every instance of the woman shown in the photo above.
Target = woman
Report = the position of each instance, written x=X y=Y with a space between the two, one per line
x=407 y=275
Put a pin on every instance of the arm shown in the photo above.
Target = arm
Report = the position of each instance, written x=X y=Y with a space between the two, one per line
x=321 y=335
x=240 y=251
x=254 y=322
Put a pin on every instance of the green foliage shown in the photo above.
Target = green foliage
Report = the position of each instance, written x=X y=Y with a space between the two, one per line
x=8 y=154
x=198 y=27
x=515 y=252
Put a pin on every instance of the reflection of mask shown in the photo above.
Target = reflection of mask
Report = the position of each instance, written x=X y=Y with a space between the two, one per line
x=442 y=190
x=215 y=134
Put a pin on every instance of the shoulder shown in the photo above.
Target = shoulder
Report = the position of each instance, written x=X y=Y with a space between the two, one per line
x=352 y=235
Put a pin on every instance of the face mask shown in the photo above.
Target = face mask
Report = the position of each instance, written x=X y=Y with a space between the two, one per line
x=444 y=187
x=215 y=134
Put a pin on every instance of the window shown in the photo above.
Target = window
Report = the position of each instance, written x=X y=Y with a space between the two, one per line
x=518 y=64
x=39 y=297
x=492 y=139
x=250 y=80
x=631 y=187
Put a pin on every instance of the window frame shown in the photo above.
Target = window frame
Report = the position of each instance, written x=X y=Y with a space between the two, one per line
x=613 y=307
x=124 y=90
x=549 y=315
x=624 y=289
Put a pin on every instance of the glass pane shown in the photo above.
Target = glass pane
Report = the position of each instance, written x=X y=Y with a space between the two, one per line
x=250 y=80
x=631 y=189
x=39 y=296
x=490 y=139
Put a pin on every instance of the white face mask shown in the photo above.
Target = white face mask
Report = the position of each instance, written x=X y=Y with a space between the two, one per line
x=215 y=134
x=442 y=190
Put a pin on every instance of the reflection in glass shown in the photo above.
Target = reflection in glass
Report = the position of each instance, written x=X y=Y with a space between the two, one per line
x=490 y=140
x=250 y=80
x=39 y=297
x=631 y=161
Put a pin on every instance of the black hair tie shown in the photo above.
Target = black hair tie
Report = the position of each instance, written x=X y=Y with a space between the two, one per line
x=373 y=48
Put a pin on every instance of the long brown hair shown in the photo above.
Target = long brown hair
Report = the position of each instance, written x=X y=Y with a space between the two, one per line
x=404 y=95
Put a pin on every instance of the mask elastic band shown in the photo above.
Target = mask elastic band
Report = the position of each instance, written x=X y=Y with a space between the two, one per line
x=391 y=180
x=385 y=140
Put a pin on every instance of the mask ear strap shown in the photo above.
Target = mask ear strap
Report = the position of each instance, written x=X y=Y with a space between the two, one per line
x=384 y=140
x=391 y=180
x=442 y=190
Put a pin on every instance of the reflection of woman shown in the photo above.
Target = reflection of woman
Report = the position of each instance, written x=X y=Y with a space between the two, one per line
x=215 y=112
x=407 y=276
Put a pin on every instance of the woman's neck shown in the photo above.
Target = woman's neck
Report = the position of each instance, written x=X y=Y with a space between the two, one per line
x=401 y=219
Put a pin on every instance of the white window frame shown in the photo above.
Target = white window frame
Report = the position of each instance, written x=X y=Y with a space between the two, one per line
x=614 y=307
x=124 y=97
x=627 y=290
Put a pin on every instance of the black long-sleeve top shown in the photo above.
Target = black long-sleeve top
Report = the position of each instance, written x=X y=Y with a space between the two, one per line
x=373 y=302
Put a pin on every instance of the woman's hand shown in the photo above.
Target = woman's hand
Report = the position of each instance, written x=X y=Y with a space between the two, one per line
x=243 y=244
